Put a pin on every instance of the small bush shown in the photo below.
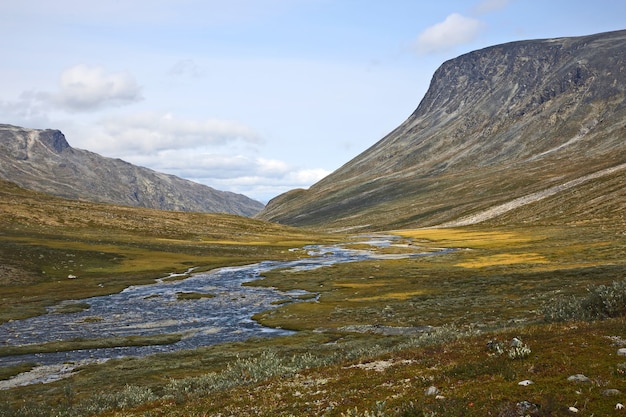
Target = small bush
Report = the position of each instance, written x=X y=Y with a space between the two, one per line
x=26 y=410
x=377 y=411
x=519 y=352
x=131 y=396
x=601 y=302
x=516 y=349
x=242 y=371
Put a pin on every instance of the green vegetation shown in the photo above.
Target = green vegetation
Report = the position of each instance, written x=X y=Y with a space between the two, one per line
x=497 y=278
x=192 y=295
x=7 y=372
x=375 y=337
x=55 y=249
x=79 y=344
x=601 y=302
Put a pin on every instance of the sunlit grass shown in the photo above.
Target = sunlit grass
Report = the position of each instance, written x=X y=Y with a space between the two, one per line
x=390 y=296
x=504 y=259
x=456 y=238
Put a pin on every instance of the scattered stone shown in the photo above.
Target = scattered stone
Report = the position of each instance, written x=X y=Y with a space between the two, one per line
x=611 y=392
x=621 y=352
x=619 y=406
x=515 y=342
x=579 y=378
x=526 y=408
x=525 y=382
x=70 y=276
x=378 y=366
x=617 y=340
x=440 y=397
x=432 y=390
x=573 y=409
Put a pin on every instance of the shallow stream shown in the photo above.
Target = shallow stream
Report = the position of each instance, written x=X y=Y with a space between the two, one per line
x=156 y=309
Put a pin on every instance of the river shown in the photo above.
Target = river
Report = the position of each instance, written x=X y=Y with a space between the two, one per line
x=223 y=316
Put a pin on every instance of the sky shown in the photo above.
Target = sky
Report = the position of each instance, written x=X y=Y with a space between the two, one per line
x=251 y=96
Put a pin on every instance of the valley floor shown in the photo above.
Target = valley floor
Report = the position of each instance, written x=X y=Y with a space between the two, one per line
x=498 y=283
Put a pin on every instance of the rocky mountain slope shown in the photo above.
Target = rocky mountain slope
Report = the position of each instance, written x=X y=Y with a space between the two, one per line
x=499 y=132
x=42 y=160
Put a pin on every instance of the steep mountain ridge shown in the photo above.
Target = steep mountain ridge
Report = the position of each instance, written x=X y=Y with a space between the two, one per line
x=495 y=125
x=43 y=160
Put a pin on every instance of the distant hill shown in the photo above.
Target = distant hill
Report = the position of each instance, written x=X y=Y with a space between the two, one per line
x=42 y=160
x=529 y=131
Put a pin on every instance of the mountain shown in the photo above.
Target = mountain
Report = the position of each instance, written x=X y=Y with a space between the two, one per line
x=42 y=160
x=501 y=133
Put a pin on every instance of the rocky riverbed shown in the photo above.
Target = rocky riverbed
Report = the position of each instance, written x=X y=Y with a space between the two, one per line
x=206 y=308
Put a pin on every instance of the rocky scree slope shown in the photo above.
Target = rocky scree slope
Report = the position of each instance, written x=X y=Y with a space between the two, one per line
x=42 y=160
x=496 y=125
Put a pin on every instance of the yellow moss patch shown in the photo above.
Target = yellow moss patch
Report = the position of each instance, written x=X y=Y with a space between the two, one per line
x=391 y=296
x=467 y=238
x=359 y=285
x=504 y=259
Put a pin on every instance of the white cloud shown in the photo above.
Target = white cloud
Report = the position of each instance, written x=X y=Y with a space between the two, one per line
x=87 y=88
x=454 y=30
x=257 y=177
x=28 y=110
x=151 y=132
x=219 y=153
x=264 y=188
x=306 y=177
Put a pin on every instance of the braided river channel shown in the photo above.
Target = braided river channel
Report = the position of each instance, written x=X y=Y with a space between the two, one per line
x=156 y=309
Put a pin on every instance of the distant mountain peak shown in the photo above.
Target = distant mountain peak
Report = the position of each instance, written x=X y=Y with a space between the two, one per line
x=43 y=160
x=54 y=140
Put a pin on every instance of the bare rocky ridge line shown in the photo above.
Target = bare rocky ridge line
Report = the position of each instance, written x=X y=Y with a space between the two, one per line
x=43 y=160
x=496 y=124
x=496 y=211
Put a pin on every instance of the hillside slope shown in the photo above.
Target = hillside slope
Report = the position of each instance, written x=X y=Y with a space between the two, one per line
x=42 y=160
x=504 y=124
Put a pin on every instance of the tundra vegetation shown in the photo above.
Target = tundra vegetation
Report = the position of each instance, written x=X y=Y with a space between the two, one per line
x=495 y=327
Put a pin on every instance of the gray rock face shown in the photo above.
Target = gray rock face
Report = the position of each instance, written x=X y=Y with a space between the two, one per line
x=495 y=124
x=42 y=160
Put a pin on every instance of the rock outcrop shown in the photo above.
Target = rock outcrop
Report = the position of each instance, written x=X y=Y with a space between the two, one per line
x=43 y=160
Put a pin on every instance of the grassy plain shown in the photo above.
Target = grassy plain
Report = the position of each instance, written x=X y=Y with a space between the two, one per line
x=493 y=286
x=495 y=278
x=55 y=249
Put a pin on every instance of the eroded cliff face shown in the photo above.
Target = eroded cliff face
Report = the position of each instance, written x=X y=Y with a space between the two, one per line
x=42 y=160
x=495 y=124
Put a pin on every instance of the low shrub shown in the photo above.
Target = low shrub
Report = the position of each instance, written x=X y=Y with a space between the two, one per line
x=242 y=371
x=131 y=396
x=377 y=411
x=516 y=349
x=601 y=302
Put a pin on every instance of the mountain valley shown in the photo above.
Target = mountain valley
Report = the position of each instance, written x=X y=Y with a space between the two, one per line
x=494 y=222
